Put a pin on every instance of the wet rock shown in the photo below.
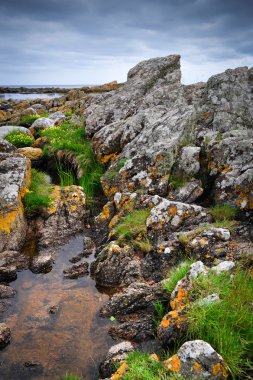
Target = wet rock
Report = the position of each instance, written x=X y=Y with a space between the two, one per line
x=32 y=153
x=115 y=355
x=198 y=360
x=42 y=263
x=134 y=330
x=224 y=266
x=76 y=271
x=138 y=296
x=14 y=180
x=8 y=274
x=89 y=247
x=5 y=335
x=6 y=291
x=14 y=258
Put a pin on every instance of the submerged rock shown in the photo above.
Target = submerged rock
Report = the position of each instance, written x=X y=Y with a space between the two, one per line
x=42 y=263
x=5 y=335
x=6 y=291
x=76 y=270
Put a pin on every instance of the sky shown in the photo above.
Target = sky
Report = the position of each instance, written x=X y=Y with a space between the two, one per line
x=96 y=41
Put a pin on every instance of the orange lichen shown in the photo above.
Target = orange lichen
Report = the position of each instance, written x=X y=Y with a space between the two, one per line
x=172 y=317
x=173 y=364
x=120 y=372
x=109 y=157
x=154 y=358
x=180 y=300
x=105 y=214
x=173 y=210
x=114 y=221
x=219 y=368
x=197 y=367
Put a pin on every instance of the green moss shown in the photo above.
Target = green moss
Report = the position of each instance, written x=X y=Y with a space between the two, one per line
x=226 y=325
x=176 y=181
x=219 y=136
x=111 y=174
x=223 y=212
x=19 y=139
x=39 y=193
x=28 y=120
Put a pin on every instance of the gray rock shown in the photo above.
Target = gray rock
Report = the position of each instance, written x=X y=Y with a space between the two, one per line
x=189 y=193
x=42 y=123
x=224 y=266
x=6 y=146
x=189 y=161
x=6 y=129
x=197 y=360
x=42 y=263
x=76 y=271
x=115 y=355
x=212 y=298
x=8 y=274
x=5 y=335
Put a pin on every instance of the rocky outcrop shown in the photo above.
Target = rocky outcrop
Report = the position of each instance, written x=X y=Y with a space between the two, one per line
x=5 y=335
x=14 y=180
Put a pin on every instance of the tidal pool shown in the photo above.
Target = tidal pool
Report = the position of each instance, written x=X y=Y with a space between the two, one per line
x=55 y=323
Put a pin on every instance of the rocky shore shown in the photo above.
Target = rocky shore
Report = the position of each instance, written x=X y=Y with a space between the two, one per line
x=174 y=236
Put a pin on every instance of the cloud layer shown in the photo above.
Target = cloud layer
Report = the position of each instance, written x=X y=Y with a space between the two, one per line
x=95 y=41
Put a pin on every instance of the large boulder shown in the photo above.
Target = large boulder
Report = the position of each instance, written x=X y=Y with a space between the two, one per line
x=6 y=129
x=14 y=181
x=41 y=123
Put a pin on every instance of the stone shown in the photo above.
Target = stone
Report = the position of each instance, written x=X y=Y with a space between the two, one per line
x=29 y=111
x=197 y=360
x=32 y=153
x=6 y=129
x=6 y=291
x=224 y=266
x=173 y=327
x=76 y=270
x=5 y=335
x=8 y=273
x=57 y=115
x=212 y=298
x=4 y=116
x=136 y=330
x=188 y=193
x=189 y=161
x=42 y=263
x=116 y=354
x=14 y=180
x=6 y=146
x=41 y=123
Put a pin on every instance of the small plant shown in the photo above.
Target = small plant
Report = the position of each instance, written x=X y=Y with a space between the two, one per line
x=70 y=376
x=69 y=114
x=19 y=139
x=183 y=239
x=223 y=212
x=176 y=181
x=160 y=311
x=28 y=120
x=176 y=274
x=227 y=324
x=66 y=176
x=38 y=195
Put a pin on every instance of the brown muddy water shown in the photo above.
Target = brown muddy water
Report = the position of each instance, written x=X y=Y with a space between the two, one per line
x=44 y=345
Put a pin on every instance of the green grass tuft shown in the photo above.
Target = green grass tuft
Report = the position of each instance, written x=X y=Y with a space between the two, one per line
x=72 y=139
x=223 y=212
x=66 y=176
x=28 y=120
x=39 y=193
x=226 y=325
x=176 y=274
x=140 y=367
x=19 y=139
x=70 y=376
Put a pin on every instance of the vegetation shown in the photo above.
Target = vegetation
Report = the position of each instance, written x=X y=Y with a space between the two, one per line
x=72 y=139
x=160 y=311
x=132 y=228
x=19 y=139
x=38 y=195
x=66 y=176
x=70 y=376
x=176 y=181
x=176 y=274
x=226 y=325
x=140 y=367
x=223 y=212
x=111 y=174
x=28 y=120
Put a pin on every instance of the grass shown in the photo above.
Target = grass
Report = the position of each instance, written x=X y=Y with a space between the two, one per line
x=176 y=274
x=69 y=376
x=226 y=325
x=66 y=176
x=19 y=139
x=38 y=195
x=160 y=311
x=132 y=229
x=28 y=120
x=72 y=139
x=176 y=181
x=140 y=367
x=223 y=212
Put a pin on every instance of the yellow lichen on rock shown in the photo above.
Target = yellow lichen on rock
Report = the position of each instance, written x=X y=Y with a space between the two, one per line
x=120 y=372
x=172 y=364
x=219 y=369
x=154 y=358
x=32 y=153
x=109 y=157
x=180 y=300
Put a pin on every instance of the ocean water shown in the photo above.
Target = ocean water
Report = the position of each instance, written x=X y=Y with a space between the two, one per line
x=17 y=96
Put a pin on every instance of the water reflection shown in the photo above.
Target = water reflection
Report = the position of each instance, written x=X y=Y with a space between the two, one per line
x=28 y=96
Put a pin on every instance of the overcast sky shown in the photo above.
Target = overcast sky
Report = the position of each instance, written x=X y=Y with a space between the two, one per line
x=97 y=41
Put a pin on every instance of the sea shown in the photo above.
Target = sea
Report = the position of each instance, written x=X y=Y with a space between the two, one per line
x=18 y=96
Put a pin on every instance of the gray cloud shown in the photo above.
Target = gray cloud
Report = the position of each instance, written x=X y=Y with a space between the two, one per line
x=93 y=41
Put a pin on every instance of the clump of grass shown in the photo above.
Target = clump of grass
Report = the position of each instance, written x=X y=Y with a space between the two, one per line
x=69 y=114
x=140 y=367
x=38 y=196
x=28 y=120
x=176 y=181
x=66 y=176
x=183 y=239
x=19 y=139
x=223 y=212
x=226 y=325
x=132 y=228
x=72 y=139
x=176 y=274
x=160 y=311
